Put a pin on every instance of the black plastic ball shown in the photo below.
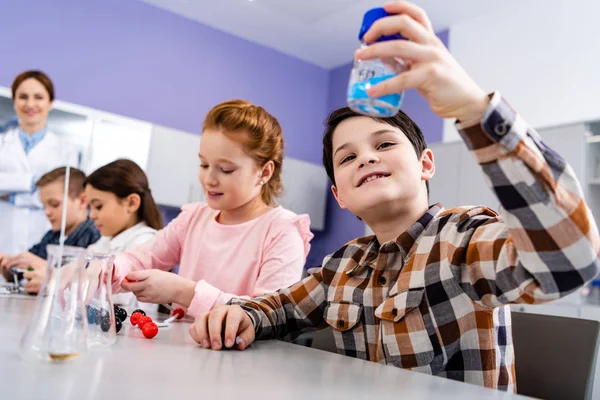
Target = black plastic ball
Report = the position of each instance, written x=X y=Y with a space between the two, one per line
x=118 y=325
x=140 y=311
x=105 y=325
x=120 y=314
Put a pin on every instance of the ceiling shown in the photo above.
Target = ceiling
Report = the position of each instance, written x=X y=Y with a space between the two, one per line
x=322 y=32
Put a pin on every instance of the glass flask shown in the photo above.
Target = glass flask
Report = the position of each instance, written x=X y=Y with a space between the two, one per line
x=100 y=312
x=58 y=327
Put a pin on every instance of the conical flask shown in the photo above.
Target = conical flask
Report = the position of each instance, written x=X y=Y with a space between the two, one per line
x=99 y=307
x=58 y=327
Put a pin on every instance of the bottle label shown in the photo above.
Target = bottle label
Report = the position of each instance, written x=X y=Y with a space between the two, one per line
x=368 y=73
x=359 y=89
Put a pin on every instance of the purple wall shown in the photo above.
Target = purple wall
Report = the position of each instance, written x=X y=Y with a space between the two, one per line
x=133 y=59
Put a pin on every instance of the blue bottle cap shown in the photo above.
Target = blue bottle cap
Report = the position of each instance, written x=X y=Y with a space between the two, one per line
x=369 y=19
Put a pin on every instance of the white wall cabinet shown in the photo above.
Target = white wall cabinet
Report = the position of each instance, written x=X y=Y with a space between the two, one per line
x=473 y=188
x=305 y=188
x=173 y=167
x=458 y=179
x=442 y=187
x=115 y=138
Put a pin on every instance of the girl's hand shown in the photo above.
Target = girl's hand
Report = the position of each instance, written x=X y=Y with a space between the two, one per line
x=159 y=287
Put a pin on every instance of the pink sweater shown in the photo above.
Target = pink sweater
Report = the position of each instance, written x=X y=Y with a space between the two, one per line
x=244 y=260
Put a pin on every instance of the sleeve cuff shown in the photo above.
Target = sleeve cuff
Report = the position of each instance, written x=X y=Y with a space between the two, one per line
x=117 y=275
x=251 y=312
x=205 y=297
x=500 y=125
x=256 y=321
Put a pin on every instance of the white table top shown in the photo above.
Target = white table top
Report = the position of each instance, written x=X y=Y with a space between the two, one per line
x=172 y=365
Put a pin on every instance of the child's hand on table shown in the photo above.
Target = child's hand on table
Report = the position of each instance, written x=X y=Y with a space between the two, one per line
x=230 y=324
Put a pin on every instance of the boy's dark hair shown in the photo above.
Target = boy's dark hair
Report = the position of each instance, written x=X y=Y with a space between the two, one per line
x=76 y=180
x=400 y=120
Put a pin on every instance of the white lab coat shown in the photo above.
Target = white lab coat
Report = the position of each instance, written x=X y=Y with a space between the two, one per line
x=126 y=240
x=23 y=224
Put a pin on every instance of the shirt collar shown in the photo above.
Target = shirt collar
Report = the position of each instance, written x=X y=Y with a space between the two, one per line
x=124 y=237
x=403 y=243
x=30 y=141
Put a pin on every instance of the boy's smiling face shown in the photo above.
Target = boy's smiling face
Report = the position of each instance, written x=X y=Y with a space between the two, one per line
x=376 y=167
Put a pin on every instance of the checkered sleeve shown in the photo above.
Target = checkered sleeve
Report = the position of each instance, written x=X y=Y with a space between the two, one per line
x=545 y=243
x=290 y=311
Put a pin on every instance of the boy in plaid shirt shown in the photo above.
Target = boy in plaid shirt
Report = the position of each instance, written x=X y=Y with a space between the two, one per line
x=430 y=291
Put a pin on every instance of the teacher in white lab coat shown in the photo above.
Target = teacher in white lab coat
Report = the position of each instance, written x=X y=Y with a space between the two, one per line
x=28 y=151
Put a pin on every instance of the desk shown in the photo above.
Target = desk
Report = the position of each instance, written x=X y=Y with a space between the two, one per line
x=171 y=366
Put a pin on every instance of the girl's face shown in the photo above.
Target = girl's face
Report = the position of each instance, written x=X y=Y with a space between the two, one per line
x=111 y=214
x=229 y=176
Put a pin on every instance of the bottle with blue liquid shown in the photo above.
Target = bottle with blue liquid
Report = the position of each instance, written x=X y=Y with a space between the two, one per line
x=368 y=73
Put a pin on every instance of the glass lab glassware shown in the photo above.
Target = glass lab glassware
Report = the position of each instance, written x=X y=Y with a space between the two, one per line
x=58 y=327
x=100 y=312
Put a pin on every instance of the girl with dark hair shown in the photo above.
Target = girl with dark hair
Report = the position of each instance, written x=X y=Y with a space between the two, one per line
x=123 y=209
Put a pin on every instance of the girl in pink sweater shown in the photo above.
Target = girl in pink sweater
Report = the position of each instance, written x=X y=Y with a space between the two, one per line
x=238 y=244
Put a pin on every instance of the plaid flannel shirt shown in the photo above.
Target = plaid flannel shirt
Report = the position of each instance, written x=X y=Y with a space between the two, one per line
x=435 y=299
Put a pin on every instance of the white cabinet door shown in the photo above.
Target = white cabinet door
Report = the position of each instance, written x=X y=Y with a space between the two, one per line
x=305 y=188
x=114 y=138
x=569 y=142
x=443 y=187
x=173 y=167
x=473 y=188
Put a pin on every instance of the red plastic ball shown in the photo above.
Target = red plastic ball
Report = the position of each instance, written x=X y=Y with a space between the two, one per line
x=143 y=321
x=150 y=330
x=135 y=317
x=178 y=313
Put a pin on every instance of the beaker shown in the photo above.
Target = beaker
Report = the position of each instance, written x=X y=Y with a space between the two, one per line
x=58 y=327
x=99 y=307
